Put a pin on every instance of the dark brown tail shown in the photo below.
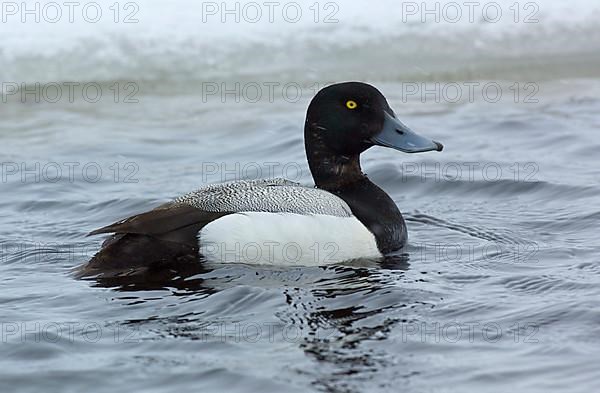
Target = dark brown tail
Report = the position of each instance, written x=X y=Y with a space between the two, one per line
x=158 y=240
x=135 y=254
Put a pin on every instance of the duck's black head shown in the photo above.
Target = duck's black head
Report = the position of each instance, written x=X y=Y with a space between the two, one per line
x=345 y=119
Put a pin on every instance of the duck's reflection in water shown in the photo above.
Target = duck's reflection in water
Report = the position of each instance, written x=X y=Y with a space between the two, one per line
x=344 y=313
x=332 y=311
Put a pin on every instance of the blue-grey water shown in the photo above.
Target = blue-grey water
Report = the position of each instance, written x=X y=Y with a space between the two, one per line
x=498 y=288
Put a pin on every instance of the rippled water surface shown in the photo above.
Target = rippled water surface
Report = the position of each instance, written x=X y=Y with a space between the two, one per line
x=498 y=288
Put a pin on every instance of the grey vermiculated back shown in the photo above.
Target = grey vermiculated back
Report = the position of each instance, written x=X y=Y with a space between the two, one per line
x=276 y=195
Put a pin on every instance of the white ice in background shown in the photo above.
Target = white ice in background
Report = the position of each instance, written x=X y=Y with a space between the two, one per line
x=171 y=42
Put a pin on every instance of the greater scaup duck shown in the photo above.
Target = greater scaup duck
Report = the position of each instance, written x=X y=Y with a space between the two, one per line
x=277 y=221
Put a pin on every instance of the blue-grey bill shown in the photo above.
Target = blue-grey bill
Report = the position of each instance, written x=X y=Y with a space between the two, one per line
x=397 y=135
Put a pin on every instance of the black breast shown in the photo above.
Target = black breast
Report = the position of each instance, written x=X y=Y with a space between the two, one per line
x=377 y=211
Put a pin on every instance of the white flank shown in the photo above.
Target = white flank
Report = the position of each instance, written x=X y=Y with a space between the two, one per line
x=286 y=239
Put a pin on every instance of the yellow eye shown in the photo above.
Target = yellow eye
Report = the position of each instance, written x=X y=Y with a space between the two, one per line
x=351 y=104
